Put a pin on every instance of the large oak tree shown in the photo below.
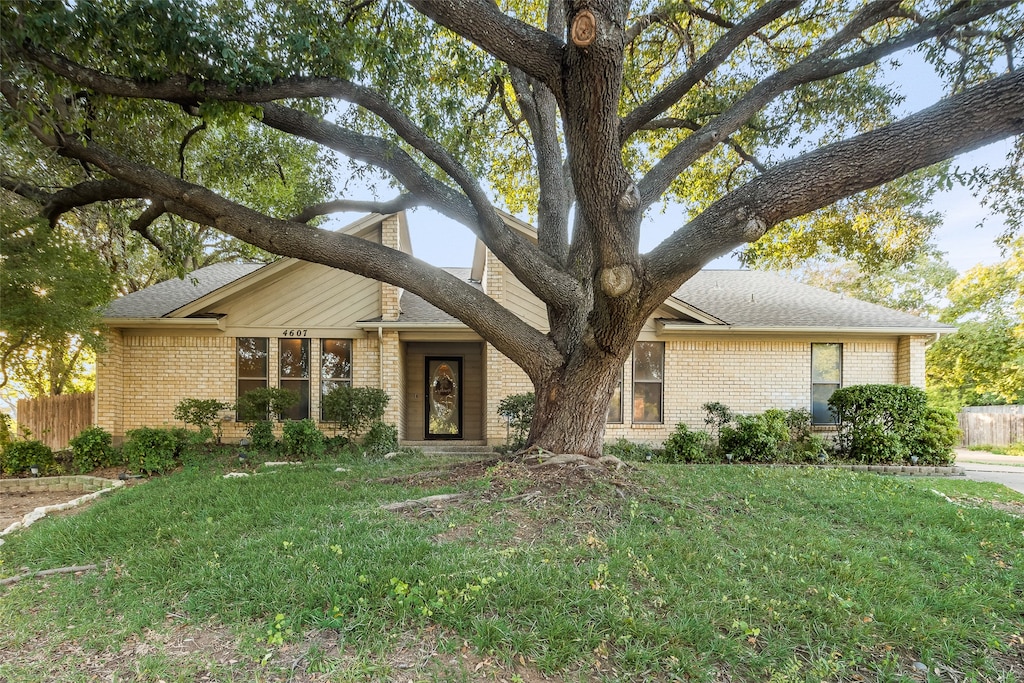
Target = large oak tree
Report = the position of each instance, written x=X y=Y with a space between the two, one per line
x=588 y=114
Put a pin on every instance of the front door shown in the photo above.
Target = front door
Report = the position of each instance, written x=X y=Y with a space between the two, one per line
x=444 y=397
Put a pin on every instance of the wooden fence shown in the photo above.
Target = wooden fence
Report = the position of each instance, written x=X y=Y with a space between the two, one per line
x=990 y=429
x=55 y=420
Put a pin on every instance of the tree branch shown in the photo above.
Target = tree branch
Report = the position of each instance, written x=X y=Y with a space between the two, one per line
x=184 y=143
x=145 y=219
x=473 y=209
x=985 y=113
x=55 y=204
x=534 y=52
x=707 y=63
x=399 y=203
x=815 y=67
x=528 y=347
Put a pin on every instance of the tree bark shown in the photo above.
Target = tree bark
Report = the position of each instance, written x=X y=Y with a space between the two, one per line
x=572 y=403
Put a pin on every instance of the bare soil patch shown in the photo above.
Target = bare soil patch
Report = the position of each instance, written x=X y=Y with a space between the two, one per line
x=15 y=505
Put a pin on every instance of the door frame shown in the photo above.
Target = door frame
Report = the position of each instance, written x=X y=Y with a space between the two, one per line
x=458 y=364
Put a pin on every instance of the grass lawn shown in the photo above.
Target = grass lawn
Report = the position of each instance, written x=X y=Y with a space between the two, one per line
x=668 y=573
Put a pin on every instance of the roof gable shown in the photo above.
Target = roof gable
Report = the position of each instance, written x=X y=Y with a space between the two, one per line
x=165 y=297
x=202 y=290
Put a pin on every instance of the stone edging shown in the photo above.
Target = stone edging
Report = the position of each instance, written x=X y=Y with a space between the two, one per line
x=907 y=470
x=93 y=486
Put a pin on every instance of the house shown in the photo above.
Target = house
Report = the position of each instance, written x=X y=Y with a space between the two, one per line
x=749 y=339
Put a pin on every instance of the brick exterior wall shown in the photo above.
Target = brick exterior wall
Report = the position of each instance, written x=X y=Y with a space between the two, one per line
x=143 y=375
x=141 y=378
x=910 y=361
x=747 y=375
x=110 y=385
x=389 y=294
x=159 y=371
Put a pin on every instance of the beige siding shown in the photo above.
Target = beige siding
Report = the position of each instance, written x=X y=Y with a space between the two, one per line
x=525 y=304
x=472 y=384
x=305 y=296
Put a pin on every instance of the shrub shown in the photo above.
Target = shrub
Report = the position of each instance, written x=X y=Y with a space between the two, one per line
x=381 y=439
x=201 y=413
x=687 y=445
x=18 y=456
x=877 y=423
x=152 y=450
x=624 y=449
x=354 y=409
x=718 y=415
x=91 y=449
x=302 y=439
x=261 y=435
x=936 y=435
x=756 y=438
x=517 y=409
x=260 y=404
x=5 y=430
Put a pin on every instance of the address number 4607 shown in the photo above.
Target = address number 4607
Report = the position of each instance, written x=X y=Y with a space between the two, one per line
x=294 y=333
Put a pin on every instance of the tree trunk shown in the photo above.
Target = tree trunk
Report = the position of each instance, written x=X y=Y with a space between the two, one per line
x=572 y=404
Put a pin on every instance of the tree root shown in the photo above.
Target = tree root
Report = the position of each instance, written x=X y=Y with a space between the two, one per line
x=46 y=572
x=538 y=457
x=422 y=502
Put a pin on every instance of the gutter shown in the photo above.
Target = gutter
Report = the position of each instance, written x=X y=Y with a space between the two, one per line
x=687 y=328
x=213 y=323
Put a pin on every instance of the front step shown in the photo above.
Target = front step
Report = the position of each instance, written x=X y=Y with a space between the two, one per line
x=456 y=447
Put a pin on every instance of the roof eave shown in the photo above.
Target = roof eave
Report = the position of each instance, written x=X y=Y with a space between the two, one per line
x=685 y=328
x=409 y=325
x=205 y=323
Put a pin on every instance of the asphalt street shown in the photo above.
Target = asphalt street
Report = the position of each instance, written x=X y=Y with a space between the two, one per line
x=1001 y=469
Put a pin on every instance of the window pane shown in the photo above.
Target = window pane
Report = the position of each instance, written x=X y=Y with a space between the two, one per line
x=646 y=402
x=294 y=358
x=826 y=363
x=300 y=410
x=336 y=359
x=648 y=361
x=328 y=385
x=252 y=356
x=821 y=414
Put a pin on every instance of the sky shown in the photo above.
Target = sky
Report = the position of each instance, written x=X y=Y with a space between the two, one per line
x=442 y=242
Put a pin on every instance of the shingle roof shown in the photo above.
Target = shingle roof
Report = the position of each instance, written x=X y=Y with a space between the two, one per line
x=415 y=309
x=750 y=298
x=170 y=295
x=740 y=298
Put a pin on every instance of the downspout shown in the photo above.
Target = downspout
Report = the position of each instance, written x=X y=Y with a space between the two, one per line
x=380 y=357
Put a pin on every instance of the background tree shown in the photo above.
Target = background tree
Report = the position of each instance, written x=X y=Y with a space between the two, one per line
x=50 y=288
x=586 y=114
x=983 y=363
x=917 y=286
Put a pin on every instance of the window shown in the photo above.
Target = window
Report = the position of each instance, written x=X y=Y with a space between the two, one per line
x=826 y=377
x=648 y=379
x=335 y=366
x=615 y=404
x=250 y=364
x=294 y=357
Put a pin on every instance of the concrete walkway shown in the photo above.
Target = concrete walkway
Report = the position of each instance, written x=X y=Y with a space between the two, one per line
x=1007 y=470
